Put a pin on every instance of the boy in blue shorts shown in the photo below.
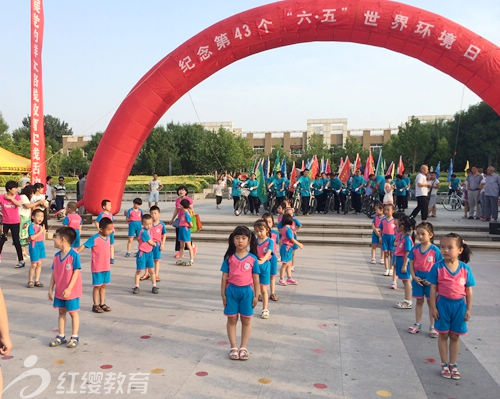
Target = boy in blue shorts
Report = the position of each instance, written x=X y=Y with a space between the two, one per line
x=106 y=213
x=134 y=216
x=66 y=281
x=159 y=236
x=144 y=258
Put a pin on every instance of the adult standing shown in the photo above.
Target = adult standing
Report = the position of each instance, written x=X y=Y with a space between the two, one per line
x=182 y=193
x=422 y=194
x=60 y=190
x=407 y=180
x=473 y=183
x=491 y=193
x=155 y=187
x=49 y=192
x=253 y=196
x=357 y=184
x=10 y=203
x=236 y=189
x=304 y=185
x=433 y=192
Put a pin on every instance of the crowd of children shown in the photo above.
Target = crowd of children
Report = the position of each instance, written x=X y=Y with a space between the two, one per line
x=439 y=275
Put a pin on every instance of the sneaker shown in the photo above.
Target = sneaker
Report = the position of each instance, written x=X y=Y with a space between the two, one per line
x=264 y=314
x=445 y=371
x=415 y=329
x=177 y=255
x=403 y=305
x=19 y=265
x=112 y=261
x=282 y=281
x=291 y=281
x=433 y=333
x=381 y=261
x=455 y=374
x=127 y=255
x=73 y=342
x=58 y=340
x=391 y=272
x=386 y=273
x=394 y=286
x=155 y=290
x=373 y=261
x=135 y=290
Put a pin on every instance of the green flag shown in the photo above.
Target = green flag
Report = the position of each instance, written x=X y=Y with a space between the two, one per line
x=261 y=188
x=252 y=169
x=277 y=164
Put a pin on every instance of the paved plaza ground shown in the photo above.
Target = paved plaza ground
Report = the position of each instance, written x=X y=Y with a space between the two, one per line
x=335 y=335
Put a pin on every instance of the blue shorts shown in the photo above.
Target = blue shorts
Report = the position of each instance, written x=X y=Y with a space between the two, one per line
x=134 y=228
x=76 y=243
x=157 y=251
x=112 y=238
x=71 y=305
x=239 y=301
x=144 y=260
x=399 y=265
x=419 y=291
x=154 y=197
x=451 y=315
x=101 y=278
x=286 y=253
x=274 y=265
x=375 y=239
x=37 y=252
x=265 y=273
x=388 y=242
x=184 y=234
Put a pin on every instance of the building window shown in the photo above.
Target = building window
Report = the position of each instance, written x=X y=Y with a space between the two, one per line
x=258 y=149
x=375 y=147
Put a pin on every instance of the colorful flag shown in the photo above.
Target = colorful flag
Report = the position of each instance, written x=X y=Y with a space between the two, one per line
x=254 y=163
x=293 y=177
x=266 y=167
x=357 y=162
x=369 y=169
x=314 y=167
x=322 y=165
x=450 y=169
x=262 y=186
x=328 y=168
x=401 y=166
x=309 y=163
x=438 y=169
x=302 y=167
x=277 y=164
x=345 y=171
x=467 y=166
x=341 y=163
x=379 y=170
x=283 y=168
x=389 y=169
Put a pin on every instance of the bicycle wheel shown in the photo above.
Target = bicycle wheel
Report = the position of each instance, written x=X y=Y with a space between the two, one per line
x=246 y=208
x=313 y=204
x=452 y=203
x=348 y=206
x=239 y=208
x=296 y=205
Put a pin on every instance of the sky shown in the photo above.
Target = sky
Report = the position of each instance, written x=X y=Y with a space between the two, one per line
x=95 y=51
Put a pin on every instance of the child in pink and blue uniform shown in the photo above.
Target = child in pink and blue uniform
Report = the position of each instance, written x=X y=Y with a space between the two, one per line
x=134 y=217
x=376 y=237
x=185 y=224
x=275 y=236
x=159 y=235
x=144 y=257
x=240 y=287
x=401 y=254
x=100 y=244
x=73 y=220
x=387 y=228
x=452 y=281
x=265 y=248
x=66 y=281
x=106 y=213
x=422 y=258
x=36 y=233
x=288 y=245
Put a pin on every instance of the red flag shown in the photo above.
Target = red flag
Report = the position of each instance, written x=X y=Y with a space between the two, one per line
x=389 y=169
x=369 y=167
x=401 y=166
x=303 y=166
x=314 y=168
x=328 y=168
x=293 y=177
x=357 y=162
x=38 y=168
x=345 y=171
x=341 y=163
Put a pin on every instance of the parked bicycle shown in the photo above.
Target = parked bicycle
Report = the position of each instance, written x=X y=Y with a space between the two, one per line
x=243 y=205
x=453 y=202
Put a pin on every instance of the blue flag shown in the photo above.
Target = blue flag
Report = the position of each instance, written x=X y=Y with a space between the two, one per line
x=266 y=167
x=450 y=170
x=283 y=168
x=438 y=169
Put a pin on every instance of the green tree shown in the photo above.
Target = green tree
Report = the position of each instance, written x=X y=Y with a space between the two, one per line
x=75 y=163
x=316 y=146
x=54 y=129
x=91 y=147
x=352 y=147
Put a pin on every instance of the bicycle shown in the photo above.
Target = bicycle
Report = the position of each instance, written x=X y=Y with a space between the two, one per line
x=243 y=205
x=271 y=201
x=348 y=201
x=368 y=205
x=453 y=202
x=297 y=200
x=313 y=203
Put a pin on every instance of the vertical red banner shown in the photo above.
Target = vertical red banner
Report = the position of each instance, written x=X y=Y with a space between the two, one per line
x=38 y=166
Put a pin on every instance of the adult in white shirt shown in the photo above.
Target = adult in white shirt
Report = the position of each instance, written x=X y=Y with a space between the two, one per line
x=154 y=190
x=421 y=192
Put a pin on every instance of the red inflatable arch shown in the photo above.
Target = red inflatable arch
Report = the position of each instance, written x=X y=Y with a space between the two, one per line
x=435 y=40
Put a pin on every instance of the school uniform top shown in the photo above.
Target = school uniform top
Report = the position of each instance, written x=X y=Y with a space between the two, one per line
x=134 y=215
x=264 y=246
x=376 y=220
x=275 y=236
x=250 y=185
x=143 y=238
x=387 y=226
x=423 y=261
x=184 y=219
x=236 y=188
x=280 y=187
x=63 y=268
x=403 y=245
x=35 y=229
x=101 y=253
x=286 y=236
x=451 y=285
x=158 y=231
x=10 y=211
x=73 y=220
x=304 y=185
x=240 y=270
x=295 y=224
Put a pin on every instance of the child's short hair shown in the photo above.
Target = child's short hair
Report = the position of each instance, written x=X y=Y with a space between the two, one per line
x=104 y=202
x=268 y=215
x=147 y=216
x=185 y=203
x=137 y=201
x=389 y=206
x=388 y=177
x=154 y=208
x=182 y=187
x=11 y=184
x=287 y=219
x=453 y=175
x=104 y=222
x=71 y=206
x=261 y=224
x=38 y=186
x=66 y=233
x=379 y=205
x=427 y=226
x=35 y=211
x=466 y=251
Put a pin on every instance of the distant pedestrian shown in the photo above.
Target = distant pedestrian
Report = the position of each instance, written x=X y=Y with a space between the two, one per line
x=421 y=192
x=473 y=183
x=60 y=189
x=491 y=193
x=155 y=187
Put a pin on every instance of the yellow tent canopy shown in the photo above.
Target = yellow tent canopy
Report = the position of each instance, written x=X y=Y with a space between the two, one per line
x=13 y=163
